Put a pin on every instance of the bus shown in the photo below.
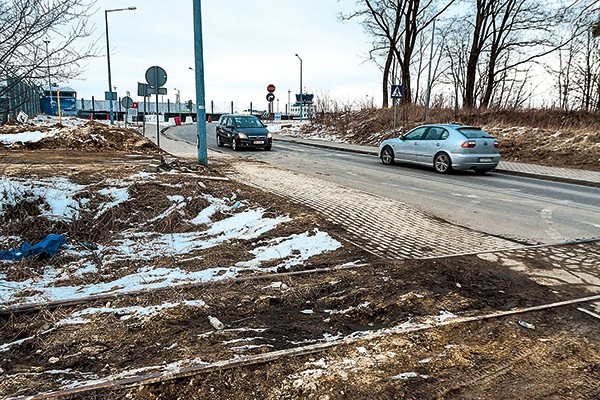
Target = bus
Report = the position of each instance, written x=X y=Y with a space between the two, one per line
x=50 y=100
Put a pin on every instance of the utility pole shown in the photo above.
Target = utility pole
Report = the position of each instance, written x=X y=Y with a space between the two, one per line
x=200 y=98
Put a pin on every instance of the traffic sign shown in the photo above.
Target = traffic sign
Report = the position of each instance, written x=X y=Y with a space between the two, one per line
x=152 y=90
x=110 y=95
x=143 y=89
x=270 y=97
x=271 y=88
x=397 y=91
x=156 y=76
x=127 y=102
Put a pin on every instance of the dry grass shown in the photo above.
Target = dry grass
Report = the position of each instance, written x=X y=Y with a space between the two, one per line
x=549 y=137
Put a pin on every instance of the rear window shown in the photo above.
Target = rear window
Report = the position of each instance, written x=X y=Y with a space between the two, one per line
x=474 y=133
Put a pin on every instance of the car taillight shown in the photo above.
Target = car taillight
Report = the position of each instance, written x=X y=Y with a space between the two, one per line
x=497 y=144
x=469 y=144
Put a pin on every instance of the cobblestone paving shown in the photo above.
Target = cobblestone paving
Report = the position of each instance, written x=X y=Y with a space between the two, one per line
x=384 y=227
x=557 y=265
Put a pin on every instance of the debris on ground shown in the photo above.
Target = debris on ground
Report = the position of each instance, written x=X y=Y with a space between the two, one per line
x=175 y=281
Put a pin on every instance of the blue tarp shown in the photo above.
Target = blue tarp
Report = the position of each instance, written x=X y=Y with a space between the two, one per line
x=49 y=245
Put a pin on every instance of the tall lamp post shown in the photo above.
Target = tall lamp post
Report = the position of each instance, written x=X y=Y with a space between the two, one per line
x=110 y=92
x=301 y=97
x=49 y=84
x=200 y=96
x=48 y=59
x=178 y=99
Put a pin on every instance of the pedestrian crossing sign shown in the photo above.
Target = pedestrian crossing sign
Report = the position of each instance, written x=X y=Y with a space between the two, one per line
x=396 y=91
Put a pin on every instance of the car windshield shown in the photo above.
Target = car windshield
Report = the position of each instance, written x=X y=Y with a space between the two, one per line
x=248 y=122
x=474 y=133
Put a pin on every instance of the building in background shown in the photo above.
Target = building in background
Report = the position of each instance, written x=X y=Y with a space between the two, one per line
x=308 y=106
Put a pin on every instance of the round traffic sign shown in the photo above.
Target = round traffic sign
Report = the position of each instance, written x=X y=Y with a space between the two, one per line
x=127 y=102
x=270 y=97
x=271 y=88
x=156 y=76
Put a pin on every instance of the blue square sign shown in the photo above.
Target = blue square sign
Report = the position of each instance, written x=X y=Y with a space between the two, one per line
x=397 y=91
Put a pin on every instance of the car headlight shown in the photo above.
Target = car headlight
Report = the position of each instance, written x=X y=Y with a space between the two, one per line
x=269 y=135
x=242 y=136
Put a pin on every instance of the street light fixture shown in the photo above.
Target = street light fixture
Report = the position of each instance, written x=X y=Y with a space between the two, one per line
x=301 y=97
x=110 y=92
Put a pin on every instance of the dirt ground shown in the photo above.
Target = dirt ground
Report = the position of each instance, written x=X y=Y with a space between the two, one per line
x=344 y=325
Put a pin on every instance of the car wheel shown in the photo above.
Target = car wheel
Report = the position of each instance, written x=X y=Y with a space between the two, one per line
x=268 y=147
x=219 y=141
x=387 y=155
x=234 y=145
x=442 y=163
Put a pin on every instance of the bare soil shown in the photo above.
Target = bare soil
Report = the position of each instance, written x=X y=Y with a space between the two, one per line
x=345 y=325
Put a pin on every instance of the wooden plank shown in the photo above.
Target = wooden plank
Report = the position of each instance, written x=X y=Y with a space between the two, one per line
x=157 y=377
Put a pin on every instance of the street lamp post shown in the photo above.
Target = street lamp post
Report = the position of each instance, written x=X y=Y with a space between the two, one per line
x=301 y=97
x=49 y=84
x=110 y=92
x=178 y=99
x=200 y=95
x=48 y=60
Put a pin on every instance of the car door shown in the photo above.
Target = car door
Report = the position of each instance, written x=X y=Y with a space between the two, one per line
x=228 y=128
x=406 y=148
x=221 y=128
x=432 y=143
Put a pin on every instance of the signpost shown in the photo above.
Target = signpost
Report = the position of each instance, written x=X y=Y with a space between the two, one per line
x=143 y=91
x=156 y=77
x=127 y=103
x=270 y=99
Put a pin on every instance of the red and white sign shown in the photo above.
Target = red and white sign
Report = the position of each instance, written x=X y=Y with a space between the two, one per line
x=134 y=105
x=271 y=88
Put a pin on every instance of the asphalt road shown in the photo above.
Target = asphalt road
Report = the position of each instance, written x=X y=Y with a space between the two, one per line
x=519 y=208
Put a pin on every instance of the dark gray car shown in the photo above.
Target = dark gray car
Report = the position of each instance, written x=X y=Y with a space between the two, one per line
x=243 y=131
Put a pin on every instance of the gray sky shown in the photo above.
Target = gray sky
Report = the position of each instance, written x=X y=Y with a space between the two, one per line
x=248 y=44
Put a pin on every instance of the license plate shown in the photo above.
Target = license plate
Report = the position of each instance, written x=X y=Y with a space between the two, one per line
x=485 y=159
x=259 y=142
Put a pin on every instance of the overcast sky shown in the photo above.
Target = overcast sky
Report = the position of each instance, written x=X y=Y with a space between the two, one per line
x=247 y=45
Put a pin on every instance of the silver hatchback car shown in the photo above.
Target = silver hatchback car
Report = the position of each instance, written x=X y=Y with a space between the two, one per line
x=446 y=147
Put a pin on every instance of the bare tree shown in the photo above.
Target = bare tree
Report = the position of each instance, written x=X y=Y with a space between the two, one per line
x=381 y=19
x=395 y=26
x=596 y=28
x=513 y=34
x=576 y=66
x=39 y=38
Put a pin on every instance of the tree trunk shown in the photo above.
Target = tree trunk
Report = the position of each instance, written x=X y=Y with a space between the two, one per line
x=386 y=78
x=471 y=75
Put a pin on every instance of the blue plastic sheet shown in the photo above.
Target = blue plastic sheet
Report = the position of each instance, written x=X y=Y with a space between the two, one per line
x=49 y=245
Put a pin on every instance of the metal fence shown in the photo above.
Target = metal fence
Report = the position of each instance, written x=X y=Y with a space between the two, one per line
x=18 y=96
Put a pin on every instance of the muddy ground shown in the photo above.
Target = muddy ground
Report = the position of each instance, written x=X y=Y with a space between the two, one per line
x=343 y=325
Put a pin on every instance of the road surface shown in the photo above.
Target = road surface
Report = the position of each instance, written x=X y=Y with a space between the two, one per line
x=518 y=208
